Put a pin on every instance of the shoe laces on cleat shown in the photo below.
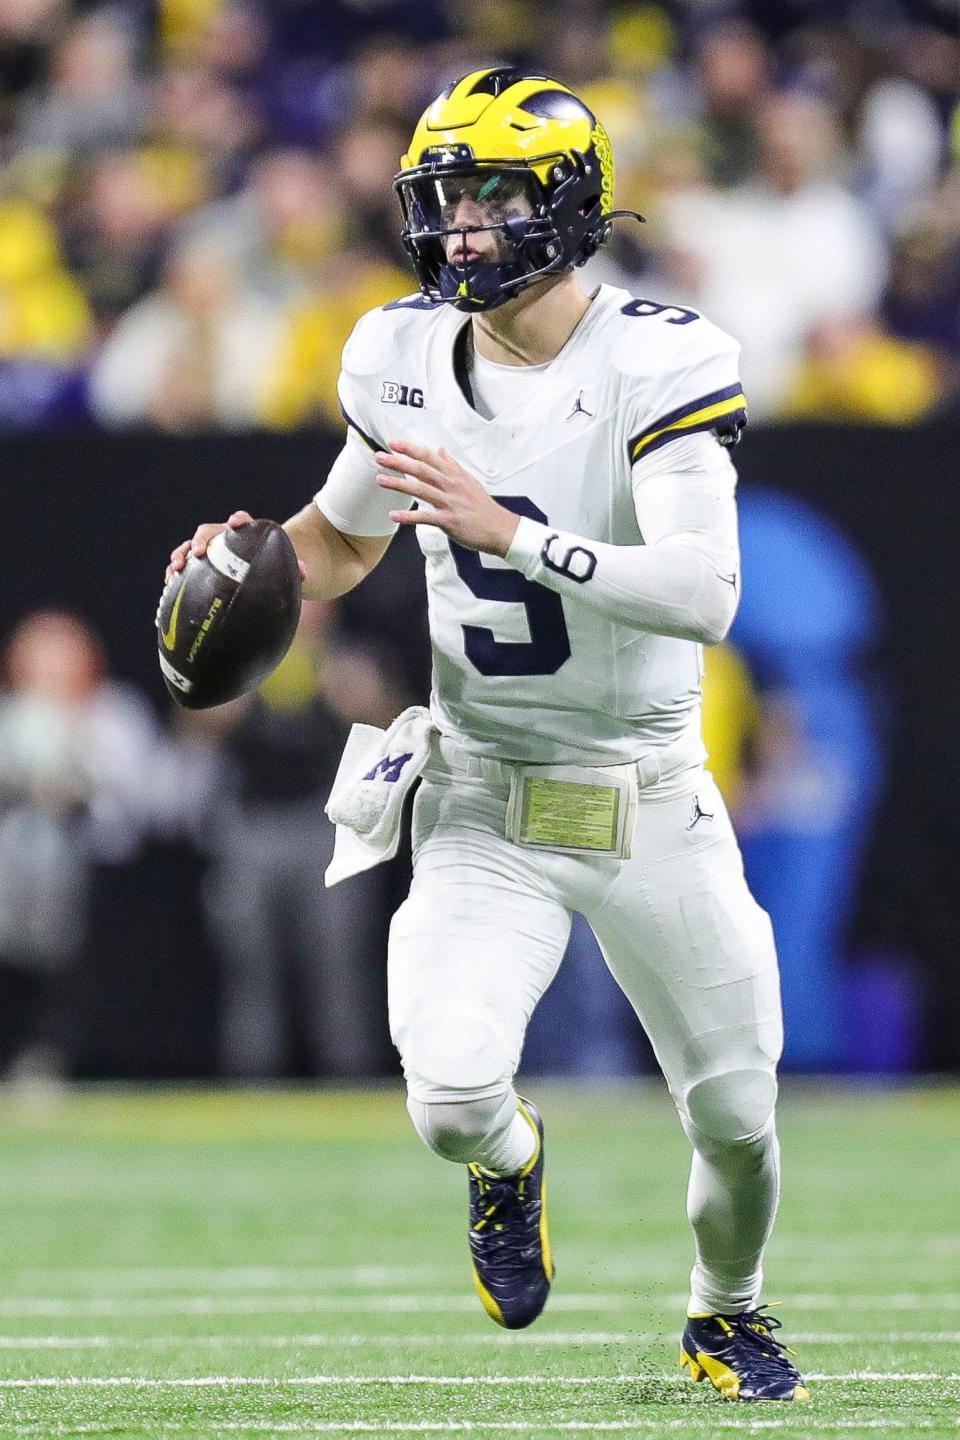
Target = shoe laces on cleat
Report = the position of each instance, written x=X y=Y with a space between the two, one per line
x=505 y=1225
x=756 y=1327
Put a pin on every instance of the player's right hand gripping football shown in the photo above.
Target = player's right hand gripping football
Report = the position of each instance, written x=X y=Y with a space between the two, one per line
x=201 y=539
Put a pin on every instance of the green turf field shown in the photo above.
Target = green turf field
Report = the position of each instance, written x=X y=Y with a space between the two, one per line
x=295 y=1264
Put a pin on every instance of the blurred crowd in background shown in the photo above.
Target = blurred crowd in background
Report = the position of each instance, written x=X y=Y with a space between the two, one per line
x=196 y=198
x=99 y=804
x=162 y=910
x=196 y=204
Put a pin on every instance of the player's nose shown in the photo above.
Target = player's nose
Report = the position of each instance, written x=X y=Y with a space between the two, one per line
x=464 y=247
x=467 y=213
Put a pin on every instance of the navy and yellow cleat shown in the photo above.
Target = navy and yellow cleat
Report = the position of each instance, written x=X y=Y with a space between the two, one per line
x=512 y=1265
x=740 y=1357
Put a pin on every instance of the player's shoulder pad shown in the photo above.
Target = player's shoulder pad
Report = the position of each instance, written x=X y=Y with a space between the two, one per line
x=657 y=340
x=680 y=375
x=379 y=335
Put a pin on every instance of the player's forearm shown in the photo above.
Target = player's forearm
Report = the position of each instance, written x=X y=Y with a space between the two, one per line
x=334 y=562
x=671 y=588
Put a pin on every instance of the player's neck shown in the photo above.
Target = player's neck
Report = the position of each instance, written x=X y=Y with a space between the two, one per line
x=534 y=327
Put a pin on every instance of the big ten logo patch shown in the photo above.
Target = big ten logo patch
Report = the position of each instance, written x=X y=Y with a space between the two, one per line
x=394 y=394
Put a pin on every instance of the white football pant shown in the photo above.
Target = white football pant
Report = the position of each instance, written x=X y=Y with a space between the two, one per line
x=481 y=935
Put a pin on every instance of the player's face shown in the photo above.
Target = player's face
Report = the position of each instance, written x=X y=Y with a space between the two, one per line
x=470 y=241
x=472 y=208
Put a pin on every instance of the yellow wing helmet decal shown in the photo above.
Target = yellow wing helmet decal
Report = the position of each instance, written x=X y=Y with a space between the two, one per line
x=601 y=144
x=496 y=127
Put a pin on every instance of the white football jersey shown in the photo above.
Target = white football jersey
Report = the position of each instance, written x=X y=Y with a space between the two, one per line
x=518 y=673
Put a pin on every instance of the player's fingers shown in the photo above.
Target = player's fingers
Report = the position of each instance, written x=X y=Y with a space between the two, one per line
x=178 y=558
x=411 y=448
x=418 y=489
x=449 y=464
x=202 y=537
x=239 y=518
x=303 y=571
x=415 y=517
x=407 y=465
x=418 y=458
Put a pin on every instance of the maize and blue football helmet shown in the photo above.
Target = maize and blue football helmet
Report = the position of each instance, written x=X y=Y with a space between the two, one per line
x=535 y=168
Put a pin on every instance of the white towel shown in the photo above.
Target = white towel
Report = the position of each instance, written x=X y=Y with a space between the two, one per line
x=376 y=771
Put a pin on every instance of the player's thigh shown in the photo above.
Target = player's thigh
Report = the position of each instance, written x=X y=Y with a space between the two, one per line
x=472 y=949
x=693 y=950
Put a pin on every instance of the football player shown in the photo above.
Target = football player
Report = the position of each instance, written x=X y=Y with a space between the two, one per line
x=563 y=457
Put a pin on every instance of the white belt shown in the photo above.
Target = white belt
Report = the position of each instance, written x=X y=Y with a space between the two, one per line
x=449 y=758
x=567 y=809
x=550 y=807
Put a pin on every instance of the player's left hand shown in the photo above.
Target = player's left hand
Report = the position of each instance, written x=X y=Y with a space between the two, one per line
x=450 y=499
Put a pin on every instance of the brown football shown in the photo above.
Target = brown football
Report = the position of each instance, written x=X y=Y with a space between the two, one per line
x=228 y=618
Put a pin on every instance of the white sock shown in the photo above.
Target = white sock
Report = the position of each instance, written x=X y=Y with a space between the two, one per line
x=732 y=1203
x=509 y=1151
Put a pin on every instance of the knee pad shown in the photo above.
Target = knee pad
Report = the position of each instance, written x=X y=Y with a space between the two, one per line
x=449 y=1053
x=732 y=1108
x=457 y=1131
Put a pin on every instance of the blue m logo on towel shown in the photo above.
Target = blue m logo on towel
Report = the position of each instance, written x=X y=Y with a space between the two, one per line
x=388 y=769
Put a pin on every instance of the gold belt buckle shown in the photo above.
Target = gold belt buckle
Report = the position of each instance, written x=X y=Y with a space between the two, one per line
x=572 y=810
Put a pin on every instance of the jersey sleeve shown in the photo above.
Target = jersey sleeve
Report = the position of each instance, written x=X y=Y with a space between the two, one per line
x=351 y=499
x=355 y=408
x=696 y=387
x=683 y=580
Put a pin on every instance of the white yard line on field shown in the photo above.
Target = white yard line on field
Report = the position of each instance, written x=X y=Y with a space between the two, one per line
x=39 y=1305
x=782 y=1246
x=527 y=1339
x=119 y=1277
x=632 y=1265
x=589 y=1302
x=905 y=1300
x=270 y=1382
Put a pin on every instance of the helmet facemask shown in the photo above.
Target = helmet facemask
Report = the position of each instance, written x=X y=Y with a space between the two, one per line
x=478 y=232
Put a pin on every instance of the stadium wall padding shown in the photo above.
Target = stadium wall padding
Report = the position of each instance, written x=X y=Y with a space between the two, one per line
x=91 y=520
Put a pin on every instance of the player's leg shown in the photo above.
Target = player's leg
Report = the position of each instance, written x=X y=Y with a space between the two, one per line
x=695 y=955
x=472 y=949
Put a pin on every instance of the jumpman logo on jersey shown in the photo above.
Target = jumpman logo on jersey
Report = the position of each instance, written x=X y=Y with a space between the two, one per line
x=696 y=813
x=578 y=408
